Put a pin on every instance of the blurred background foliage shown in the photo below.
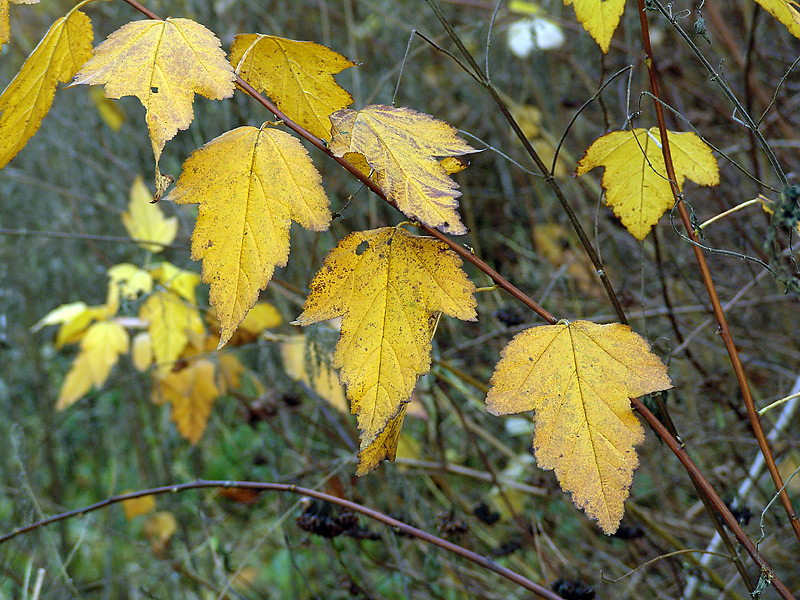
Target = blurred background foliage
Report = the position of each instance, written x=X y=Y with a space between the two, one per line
x=74 y=177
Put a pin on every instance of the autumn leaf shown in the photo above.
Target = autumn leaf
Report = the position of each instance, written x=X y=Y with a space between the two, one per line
x=786 y=11
x=171 y=320
x=401 y=145
x=635 y=175
x=126 y=282
x=159 y=529
x=261 y=317
x=111 y=112
x=250 y=184
x=100 y=350
x=191 y=391
x=164 y=64
x=298 y=76
x=302 y=362
x=27 y=99
x=74 y=319
x=387 y=285
x=383 y=447
x=599 y=17
x=142 y=351
x=146 y=221
x=138 y=506
x=179 y=281
x=5 y=29
x=578 y=378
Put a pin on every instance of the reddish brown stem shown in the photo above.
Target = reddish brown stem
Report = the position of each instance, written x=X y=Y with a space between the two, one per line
x=294 y=489
x=713 y=497
x=705 y=273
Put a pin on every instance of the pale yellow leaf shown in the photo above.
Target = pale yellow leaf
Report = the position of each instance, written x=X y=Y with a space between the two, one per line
x=126 y=282
x=635 y=175
x=191 y=391
x=786 y=11
x=298 y=76
x=401 y=146
x=171 y=319
x=164 y=64
x=62 y=314
x=387 y=285
x=142 y=351
x=100 y=351
x=383 y=447
x=138 y=506
x=302 y=362
x=579 y=378
x=27 y=99
x=180 y=281
x=146 y=221
x=599 y=17
x=230 y=371
x=250 y=184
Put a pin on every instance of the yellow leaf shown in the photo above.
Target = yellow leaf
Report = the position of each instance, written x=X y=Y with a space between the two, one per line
x=387 y=285
x=111 y=112
x=191 y=391
x=100 y=350
x=786 y=11
x=146 y=221
x=138 y=506
x=635 y=176
x=142 y=351
x=159 y=529
x=599 y=17
x=579 y=378
x=170 y=320
x=262 y=316
x=298 y=76
x=74 y=318
x=230 y=370
x=26 y=100
x=164 y=64
x=126 y=282
x=63 y=314
x=5 y=30
x=177 y=280
x=401 y=146
x=383 y=447
x=302 y=362
x=250 y=184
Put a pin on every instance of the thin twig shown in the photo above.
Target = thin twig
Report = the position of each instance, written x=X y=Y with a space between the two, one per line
x=294 y=489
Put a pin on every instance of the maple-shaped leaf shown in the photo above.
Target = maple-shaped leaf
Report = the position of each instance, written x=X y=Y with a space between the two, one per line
x=26 y=100
x=298 y=76
x=383 y=447
x=164 y=64
x=250 y=184
x=179 y=281
x=302 y=362
x=146 y=221
x=191 y=391
x=100 y=350
x=170 y=320
x=599 y=17
x=386 y=284
x=578 y=378
x=5 y=29
x=401 y=146
x=635 y=176
x=786 y=11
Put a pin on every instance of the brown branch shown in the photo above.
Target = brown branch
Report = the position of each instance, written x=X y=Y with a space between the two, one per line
x=708 y=281
x=294 y=489
x=713 y=497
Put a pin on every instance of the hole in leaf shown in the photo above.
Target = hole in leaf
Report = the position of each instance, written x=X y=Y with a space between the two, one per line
x=153 y=90
x=362 y=247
